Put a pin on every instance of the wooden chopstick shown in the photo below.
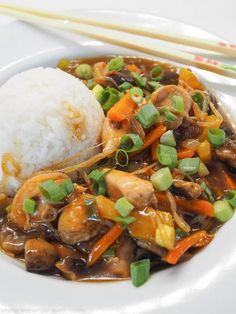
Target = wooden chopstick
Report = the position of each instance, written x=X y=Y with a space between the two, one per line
x=216 y=46
x=128 y=41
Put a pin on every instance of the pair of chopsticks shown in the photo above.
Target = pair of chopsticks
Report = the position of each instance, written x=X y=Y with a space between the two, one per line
x=126 y=36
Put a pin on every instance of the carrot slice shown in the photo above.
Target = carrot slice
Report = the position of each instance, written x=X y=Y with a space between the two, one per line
x=123 y=109
x=199 y=206
x=133 y=68
x=196 y=239
x=103 y=244
x=185 y=153
x=154 y=150
x=230 y=182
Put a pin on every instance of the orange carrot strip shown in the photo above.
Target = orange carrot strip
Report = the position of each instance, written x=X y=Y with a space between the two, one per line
x=123 y=109
x=230 y=182
x=185 y=153
x=153 y=136
x=154 y=150
x=199 y=206
x=133 y=68
x=196 y=239
x=103 y=244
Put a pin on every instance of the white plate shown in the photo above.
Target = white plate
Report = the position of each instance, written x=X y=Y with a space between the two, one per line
x=206 y=284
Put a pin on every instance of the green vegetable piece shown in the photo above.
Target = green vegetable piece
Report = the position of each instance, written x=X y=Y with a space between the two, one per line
x=147 y=115
x=189 y=165
x=123 y=206
x=216 y=137
x=116 y=64
x=29 y=206
x=223 y=211
x=52 y=191
x=157 y=73
x=167 y=155
x=140 y=272
x=131 y=142
x=139 y=80
x=162 y=179
x=168 y=138
x=178 y=103
x=84 y=71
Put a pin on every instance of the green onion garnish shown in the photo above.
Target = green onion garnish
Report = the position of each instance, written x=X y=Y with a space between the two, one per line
x=203 y=171
x=67 y=186
x=29 y=205
x=52 y=191
x=123 y=206
x=97 y=176
x=169 y=116
x=121 y=158
x=109 y=97
x=157 y=73
x=178 y=103
x=124 y=86
x=162 y=179
x=198 y=98
x=139 y=80
x=136 y=94
x=131 y=142
x=147 y=115
x=216 y=137
x=167 y=155
x=154 y=85
x=230 y=197
x=168 y=138
x=84 y=71
x=92 y=210
x=140 y=272
x=116 y=64
x=207 y=192
x=98 y=91
x=223 y=211
x=90 y=84
x=189 y=165
x=109 y=253
x=125 y=221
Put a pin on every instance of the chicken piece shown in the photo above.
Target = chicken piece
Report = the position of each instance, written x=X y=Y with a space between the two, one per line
x=74 y=225
x=40 y=255
x=188 y=189
x=162 y=98
x=227 y=153
x=111 y=134
x=139 y=192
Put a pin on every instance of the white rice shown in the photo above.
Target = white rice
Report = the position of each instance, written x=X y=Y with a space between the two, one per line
x=34 y=120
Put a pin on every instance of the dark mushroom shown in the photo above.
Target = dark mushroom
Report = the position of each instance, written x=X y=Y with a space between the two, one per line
x=40 y=255
x=190 y=190
x=227 y=153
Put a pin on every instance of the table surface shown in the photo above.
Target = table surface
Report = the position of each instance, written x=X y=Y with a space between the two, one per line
x=216 y=16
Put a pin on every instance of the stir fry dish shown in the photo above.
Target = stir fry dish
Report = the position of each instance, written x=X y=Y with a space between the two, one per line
x=159 y=182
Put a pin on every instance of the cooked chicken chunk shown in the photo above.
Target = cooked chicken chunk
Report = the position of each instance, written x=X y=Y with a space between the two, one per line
x=188 y=189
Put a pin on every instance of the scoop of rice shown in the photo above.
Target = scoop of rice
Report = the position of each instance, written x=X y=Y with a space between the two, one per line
x=46 y=115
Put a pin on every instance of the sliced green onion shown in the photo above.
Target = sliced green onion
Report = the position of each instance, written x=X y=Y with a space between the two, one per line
x=131 y=142
x=168 y=138
x=140 y=272
x=29 y=205
x=179 y=233
x=90 y=84
x=109 y=97
x=116 y=64
x=230 y=197
x=124 y=86
x=92 y=209
x=207 y=192
x=84 y=71
x=121 y=158
x=109 y=253
x=203 y=171
x=52 y=191
x=189 y=165
x=123 y=206
x=141 y=81
x=147 y=115
x=67 y=186
x=97 y=91
x=167 y=155
x=136 y=94
x=223 y=211
x=162 y=179
x=178 y=103
x=97 y=176
x=157 y=73
x=198 y=98
x=125 y=221
x=169 y=116
x=216 y=137
x=154 y=85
